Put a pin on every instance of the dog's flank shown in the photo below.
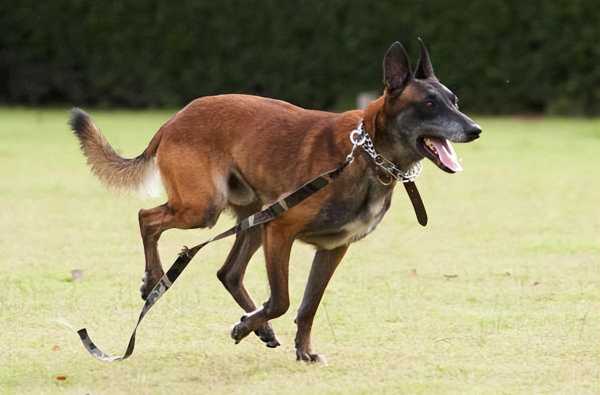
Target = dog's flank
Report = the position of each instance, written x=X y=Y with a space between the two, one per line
x=139 y=174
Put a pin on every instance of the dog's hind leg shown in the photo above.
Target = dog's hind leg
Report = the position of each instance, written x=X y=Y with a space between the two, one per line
x=154 y=221
x=152 y=224
x=324 y=264
x=232 y=273
x=194 y=202
x=277 y=244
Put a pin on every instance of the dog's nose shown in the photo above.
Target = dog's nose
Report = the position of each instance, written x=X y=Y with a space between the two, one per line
x=474 y=131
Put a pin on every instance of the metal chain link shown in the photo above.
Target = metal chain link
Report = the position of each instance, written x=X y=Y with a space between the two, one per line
x=360 y=138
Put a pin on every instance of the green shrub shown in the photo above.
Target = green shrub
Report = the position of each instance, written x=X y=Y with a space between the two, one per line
x=499 y=56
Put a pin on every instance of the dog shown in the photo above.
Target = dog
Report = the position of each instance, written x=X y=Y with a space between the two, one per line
x=240 y=152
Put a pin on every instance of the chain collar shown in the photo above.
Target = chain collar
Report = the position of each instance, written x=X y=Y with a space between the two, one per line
x=360 y=138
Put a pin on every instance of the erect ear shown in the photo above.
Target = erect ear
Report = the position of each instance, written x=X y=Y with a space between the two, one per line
x=424 y=68
x=396 y=69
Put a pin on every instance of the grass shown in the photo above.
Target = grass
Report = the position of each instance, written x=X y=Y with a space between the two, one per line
x=499 y=294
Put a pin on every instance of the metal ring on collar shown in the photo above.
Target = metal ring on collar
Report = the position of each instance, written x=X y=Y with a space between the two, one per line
x=357 y=137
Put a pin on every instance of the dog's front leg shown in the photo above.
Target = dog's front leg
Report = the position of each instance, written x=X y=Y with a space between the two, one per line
x=323 y=266
x=277 y=243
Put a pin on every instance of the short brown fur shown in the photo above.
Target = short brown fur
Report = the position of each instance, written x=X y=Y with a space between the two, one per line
x=242 y=152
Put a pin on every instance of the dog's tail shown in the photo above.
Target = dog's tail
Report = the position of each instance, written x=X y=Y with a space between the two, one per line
x=138 y=174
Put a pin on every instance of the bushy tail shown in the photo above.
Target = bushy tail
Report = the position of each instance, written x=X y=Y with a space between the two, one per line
x=138 y=174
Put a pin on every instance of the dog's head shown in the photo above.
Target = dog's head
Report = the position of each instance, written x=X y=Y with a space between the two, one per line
x=421 y=115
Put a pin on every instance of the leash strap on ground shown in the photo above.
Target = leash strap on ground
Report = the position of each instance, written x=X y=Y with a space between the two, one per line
x=184 y=258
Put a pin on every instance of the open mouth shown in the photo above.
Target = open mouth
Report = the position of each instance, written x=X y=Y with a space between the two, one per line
x=440 y=151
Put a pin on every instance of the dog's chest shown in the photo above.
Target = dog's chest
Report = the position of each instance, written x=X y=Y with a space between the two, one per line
x=366 y=220
x=346 y=220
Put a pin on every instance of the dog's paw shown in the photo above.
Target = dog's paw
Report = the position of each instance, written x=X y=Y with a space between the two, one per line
x=240 y=330
x=144 y=290
x=148 y=283
x=266 y=334
x=306 y=356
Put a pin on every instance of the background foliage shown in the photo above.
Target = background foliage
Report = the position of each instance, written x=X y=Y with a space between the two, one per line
x=500 y=56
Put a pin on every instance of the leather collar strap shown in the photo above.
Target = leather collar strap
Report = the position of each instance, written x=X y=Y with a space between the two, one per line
x=360 y=137
x=417 y=202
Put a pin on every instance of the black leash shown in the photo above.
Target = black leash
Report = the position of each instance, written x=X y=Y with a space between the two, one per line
x=184 y=258
x=262 y=217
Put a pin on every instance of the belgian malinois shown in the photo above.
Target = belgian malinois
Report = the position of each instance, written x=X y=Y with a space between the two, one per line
x=242 y=152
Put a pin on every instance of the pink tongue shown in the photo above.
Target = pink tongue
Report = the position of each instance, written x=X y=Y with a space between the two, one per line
x=447 y=154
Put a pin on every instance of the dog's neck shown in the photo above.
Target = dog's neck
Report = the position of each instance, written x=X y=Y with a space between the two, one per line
x=386 y=144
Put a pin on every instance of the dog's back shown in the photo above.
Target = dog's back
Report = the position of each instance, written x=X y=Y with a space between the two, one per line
x=239 y=141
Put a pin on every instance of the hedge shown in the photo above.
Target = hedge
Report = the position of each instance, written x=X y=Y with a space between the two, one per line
x=499 y=56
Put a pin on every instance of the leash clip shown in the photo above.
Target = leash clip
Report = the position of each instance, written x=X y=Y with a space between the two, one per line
x=357 y=138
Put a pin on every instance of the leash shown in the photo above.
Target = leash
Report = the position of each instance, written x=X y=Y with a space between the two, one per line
x=266 y=215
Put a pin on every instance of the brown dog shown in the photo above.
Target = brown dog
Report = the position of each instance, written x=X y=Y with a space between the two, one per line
x=242 y=152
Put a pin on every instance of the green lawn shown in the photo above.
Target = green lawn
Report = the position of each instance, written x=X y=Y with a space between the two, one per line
x=499 y=294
